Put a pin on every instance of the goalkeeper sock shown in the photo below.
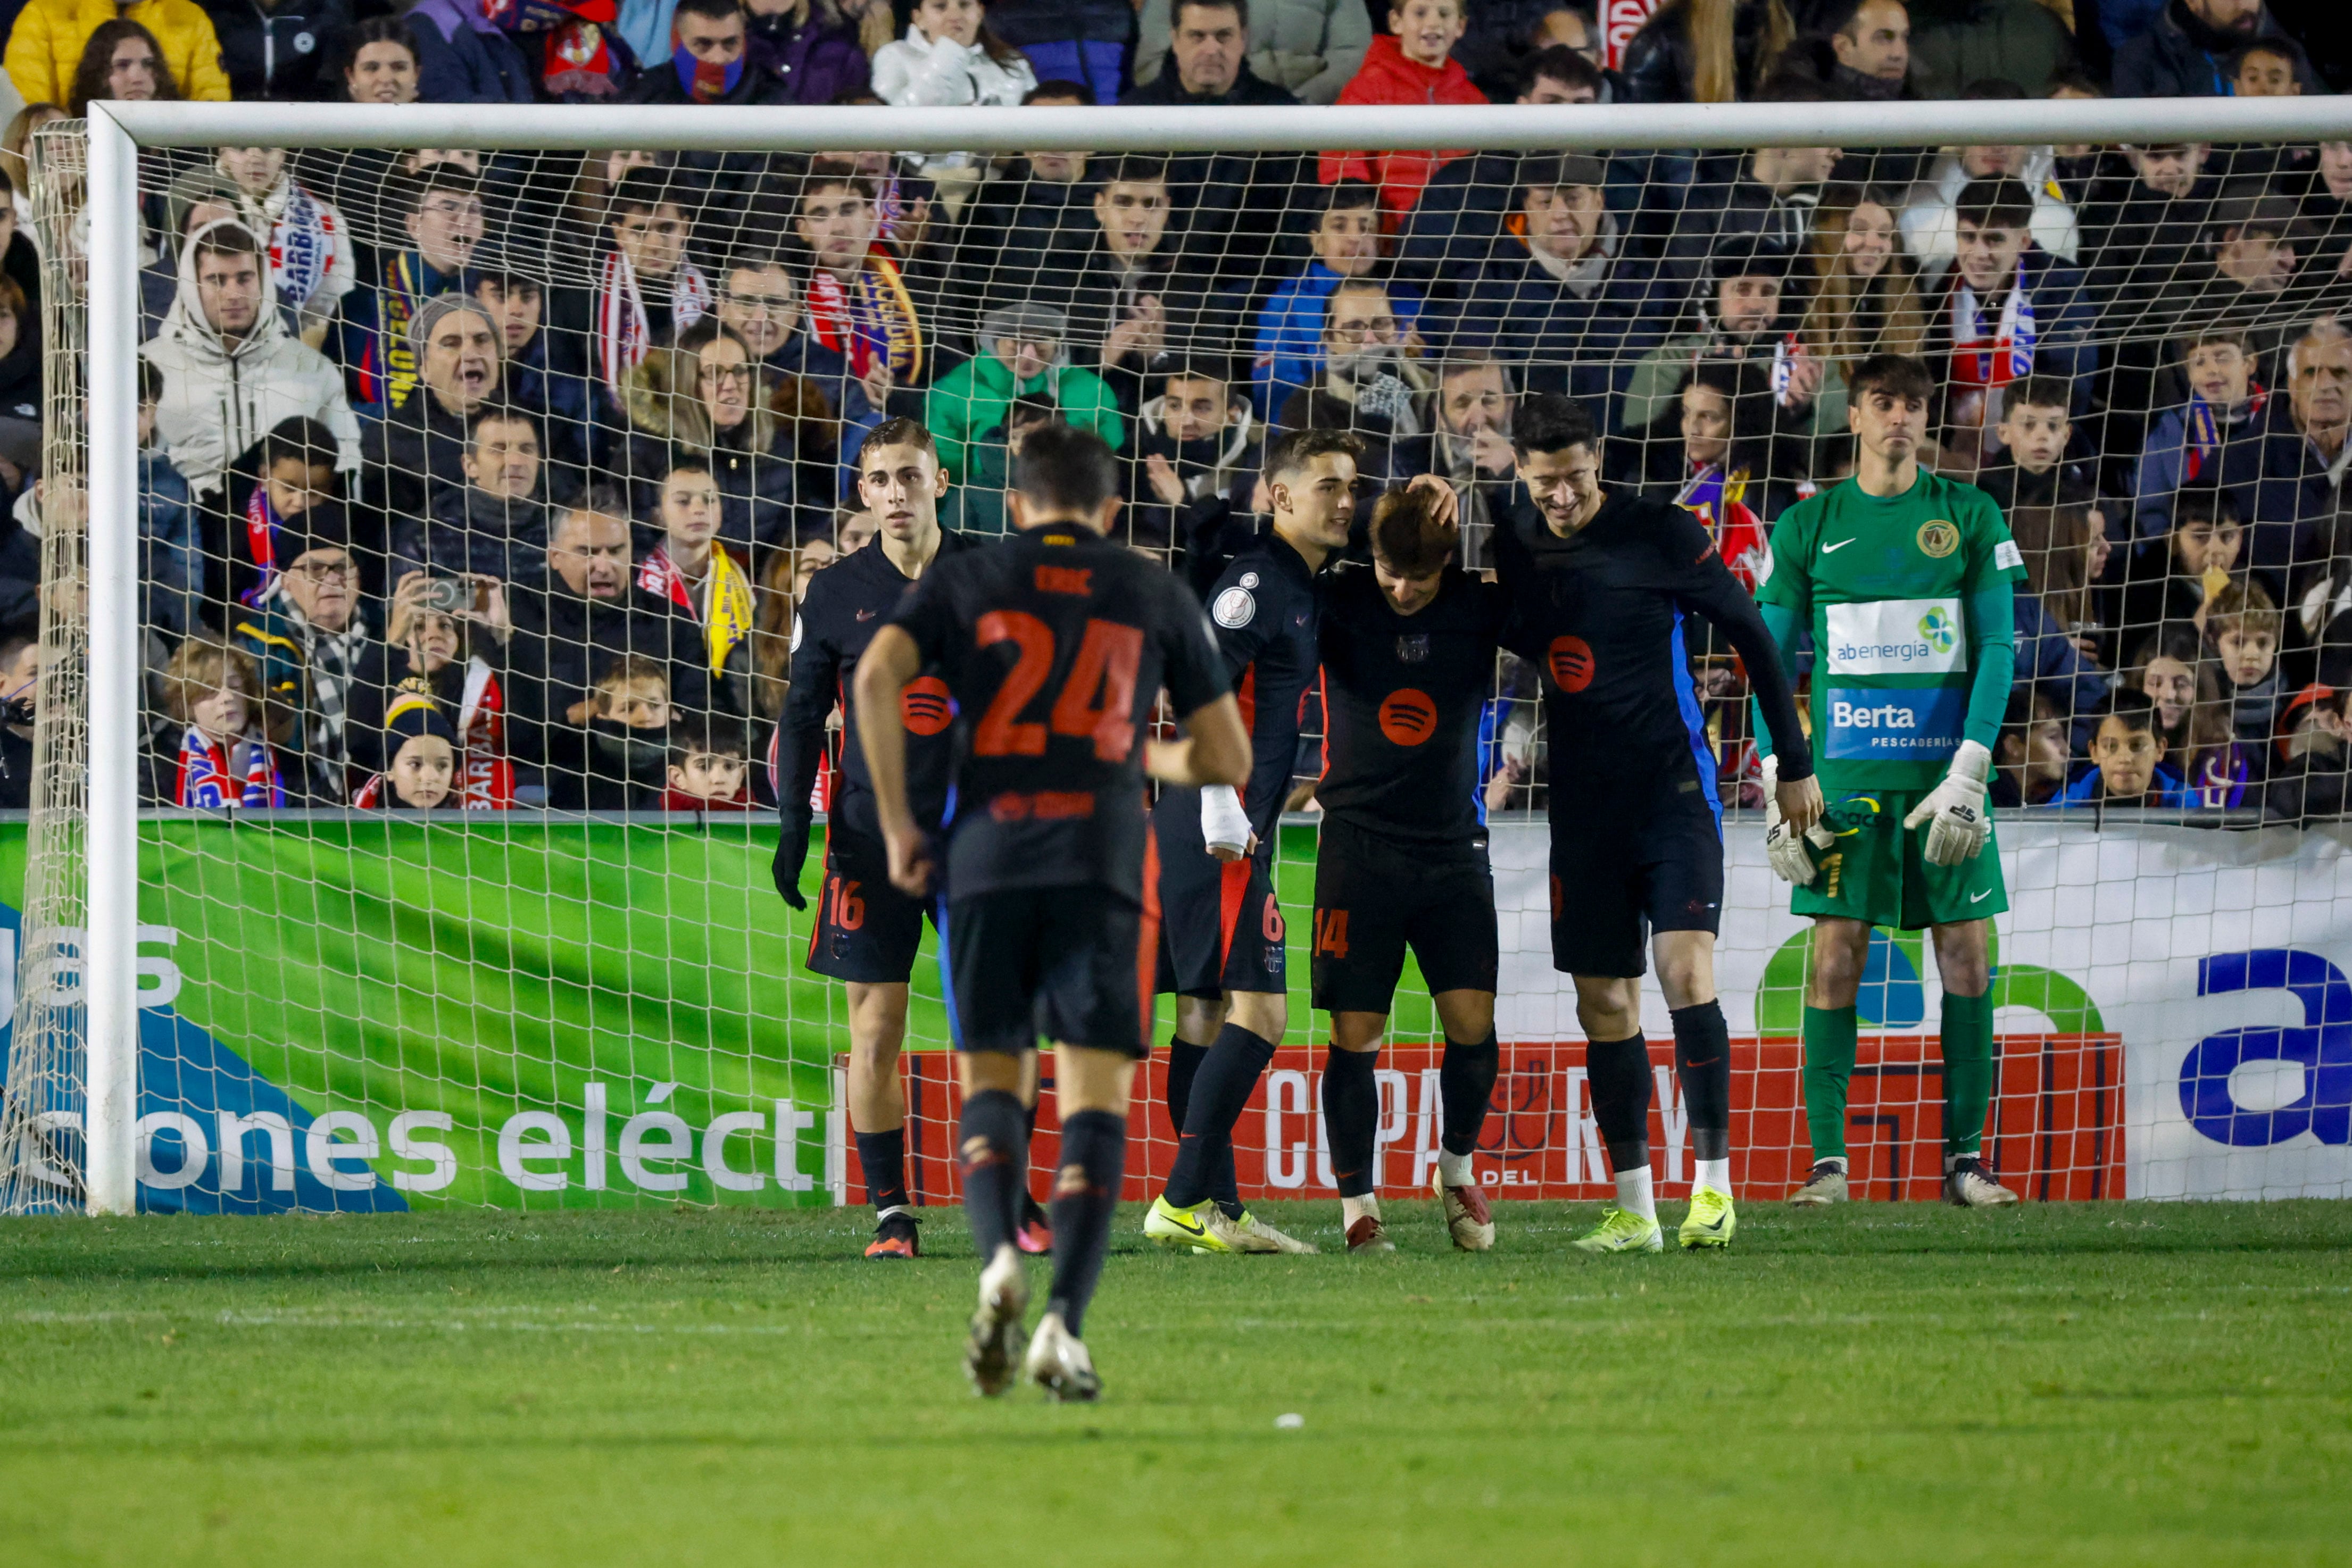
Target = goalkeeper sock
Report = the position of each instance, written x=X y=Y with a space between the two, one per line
x=1184 y=1060
x=1829 y=1063
x=883 y=1158
x=1703 y=1062
x=1619 y=1071
x=1086 y=1196
x=1633 y=1190
x=1220 y=1089
x=1352 y=1116
x=1466 y=1084
x=1967 y=1072
x=993 y=1152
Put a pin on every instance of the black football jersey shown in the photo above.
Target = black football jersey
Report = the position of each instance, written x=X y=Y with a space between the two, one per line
x=1053 y=646
x=1405 y=694
x=1601 y=614
x=1265 y=609
x=846 y=605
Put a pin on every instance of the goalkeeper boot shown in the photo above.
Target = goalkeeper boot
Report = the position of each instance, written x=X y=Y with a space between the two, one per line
x=1967 y=1185
x=1036 y=1236
x=894 y=1236
x=1711 y=1220
x=1059 y=1364
x=1257 y=1236
x=1203 y=1228
x=1622 y=1232
x=1368 y=1235
x=1468 y=1219
x=994 y=1352
x=1824 y=1185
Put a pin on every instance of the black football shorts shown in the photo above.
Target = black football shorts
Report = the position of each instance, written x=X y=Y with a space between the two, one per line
x=1059 y=964
x=1375 y=898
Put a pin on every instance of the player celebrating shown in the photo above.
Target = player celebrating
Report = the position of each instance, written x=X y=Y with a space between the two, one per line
x=866 y=932
x=1224 y=932
x=1408 y=649
x=1904 y=578
x=1600 y=584
x=1053 y=646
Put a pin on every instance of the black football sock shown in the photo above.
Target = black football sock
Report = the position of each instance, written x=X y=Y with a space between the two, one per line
x=1032 y=1212
x=1466 y=1085
x=1220 y=1089
x=1703 y=1062
x=993 y=1150
x=1085 y=1197
x=1619 y=1071
x=1351 y=1113
x=883 y=1158
x=1183 y=1065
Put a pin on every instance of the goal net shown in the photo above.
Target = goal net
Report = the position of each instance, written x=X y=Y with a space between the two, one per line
x=483 y=458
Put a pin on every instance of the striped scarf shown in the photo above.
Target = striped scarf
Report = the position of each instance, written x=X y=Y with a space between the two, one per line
x=726 y=608
x=1979 y=361
x=624 y=332
x=212 y=776
x=870 y=321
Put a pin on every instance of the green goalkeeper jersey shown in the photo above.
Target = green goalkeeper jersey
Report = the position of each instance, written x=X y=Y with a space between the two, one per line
x=1884 y=583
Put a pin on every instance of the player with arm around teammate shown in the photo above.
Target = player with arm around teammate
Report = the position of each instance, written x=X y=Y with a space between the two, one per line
x=866 y=932
x=1054 y=645
x=1408 y=647
x=1904 y=580
x=1600 y=585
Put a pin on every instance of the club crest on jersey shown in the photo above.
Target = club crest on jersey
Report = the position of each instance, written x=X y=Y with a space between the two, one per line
x=1413 y=649
x=1234 y=609
x=1938 y=539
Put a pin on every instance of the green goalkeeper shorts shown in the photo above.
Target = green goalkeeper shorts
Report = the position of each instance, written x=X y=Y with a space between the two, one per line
x=1878 y=871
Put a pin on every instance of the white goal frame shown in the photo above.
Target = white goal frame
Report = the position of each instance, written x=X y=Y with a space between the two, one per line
x=117 y=132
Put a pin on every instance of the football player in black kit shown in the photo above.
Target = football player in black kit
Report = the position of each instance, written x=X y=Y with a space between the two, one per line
x=1222 y=931
x=866 y=932
x=1055 y=645
x=1601 y=584
x=1408 y=648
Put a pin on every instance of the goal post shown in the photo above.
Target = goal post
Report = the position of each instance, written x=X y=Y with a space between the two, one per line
x=108 y=836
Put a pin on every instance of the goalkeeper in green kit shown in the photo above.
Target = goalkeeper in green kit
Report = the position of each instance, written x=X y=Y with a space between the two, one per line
x=1904 y=580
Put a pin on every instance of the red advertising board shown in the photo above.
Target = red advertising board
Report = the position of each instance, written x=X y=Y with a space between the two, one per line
x=2057 y=1124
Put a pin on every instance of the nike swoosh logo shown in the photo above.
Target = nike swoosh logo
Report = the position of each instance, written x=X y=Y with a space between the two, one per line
x=1832 y=549
x=1712 y=1225
x=1980 y=897
x=866 y=615
x=1196 y=1228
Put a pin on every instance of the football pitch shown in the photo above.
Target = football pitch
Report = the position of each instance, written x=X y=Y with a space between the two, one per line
x=2095 y=1383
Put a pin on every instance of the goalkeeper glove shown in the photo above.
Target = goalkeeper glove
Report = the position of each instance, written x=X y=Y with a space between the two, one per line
x=1784 y=847
x=791 y=850
x=1223 y=824
x=1959 y=826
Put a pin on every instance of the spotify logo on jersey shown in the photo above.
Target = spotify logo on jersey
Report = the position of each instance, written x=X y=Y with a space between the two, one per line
x=1570 y=662
x=1408 y=717
x=926 y=706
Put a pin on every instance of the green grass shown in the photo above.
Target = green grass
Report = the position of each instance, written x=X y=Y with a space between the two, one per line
x=2104 y=1384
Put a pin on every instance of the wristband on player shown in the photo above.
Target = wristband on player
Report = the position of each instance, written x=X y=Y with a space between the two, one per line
x=1223 y=824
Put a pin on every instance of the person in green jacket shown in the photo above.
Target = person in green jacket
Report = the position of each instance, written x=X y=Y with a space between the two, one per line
x=1025 y=354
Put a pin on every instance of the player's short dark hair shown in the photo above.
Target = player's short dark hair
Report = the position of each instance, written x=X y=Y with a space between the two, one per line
x=2041 y=392
x=1997 y=202
x=301 y=440
x=1064 y=469
x=711 y=10
x=1896 y=375
x=2208 y=504
x=1405 y=535
x=1294 y=450
x=898 y=431
x=1561 y=64
x=1136 y=169
x=1549 y=421
x=2135 y=710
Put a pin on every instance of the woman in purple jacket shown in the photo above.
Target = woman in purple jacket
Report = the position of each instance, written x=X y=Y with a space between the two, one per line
x=811 y=49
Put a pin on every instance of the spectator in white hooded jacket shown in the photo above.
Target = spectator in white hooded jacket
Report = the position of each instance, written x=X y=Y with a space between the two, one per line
x=950 y=58
x=232 y=371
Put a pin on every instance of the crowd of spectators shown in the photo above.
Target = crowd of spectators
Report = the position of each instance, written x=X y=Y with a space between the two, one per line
x=476 y=480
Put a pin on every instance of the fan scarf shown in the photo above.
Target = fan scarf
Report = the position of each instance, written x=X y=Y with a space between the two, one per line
x=212 y=776
x=387 y=370
x=727 y=620
x=2204 y=430
x=486 y=782
x=870 y=321
x=1718 y=500
x=303 y=240
x=624 y=333
x=2008 y=354
x=702 y=81
x=260 y=532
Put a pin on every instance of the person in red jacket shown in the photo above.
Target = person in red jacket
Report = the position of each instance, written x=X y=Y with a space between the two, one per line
x=1411 y=63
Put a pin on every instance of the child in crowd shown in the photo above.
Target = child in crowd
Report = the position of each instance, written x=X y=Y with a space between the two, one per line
x=2241 y=627
x=2127 y=750
x=420 y=772
x=2030 y=758
x=2035 y=430
x=2201 y=750
x=690 y=569
x=2172 y=578
x=628 y=733
x=2315 y=749
x=709 y=767
x=214 y=692
x=2215 y=439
